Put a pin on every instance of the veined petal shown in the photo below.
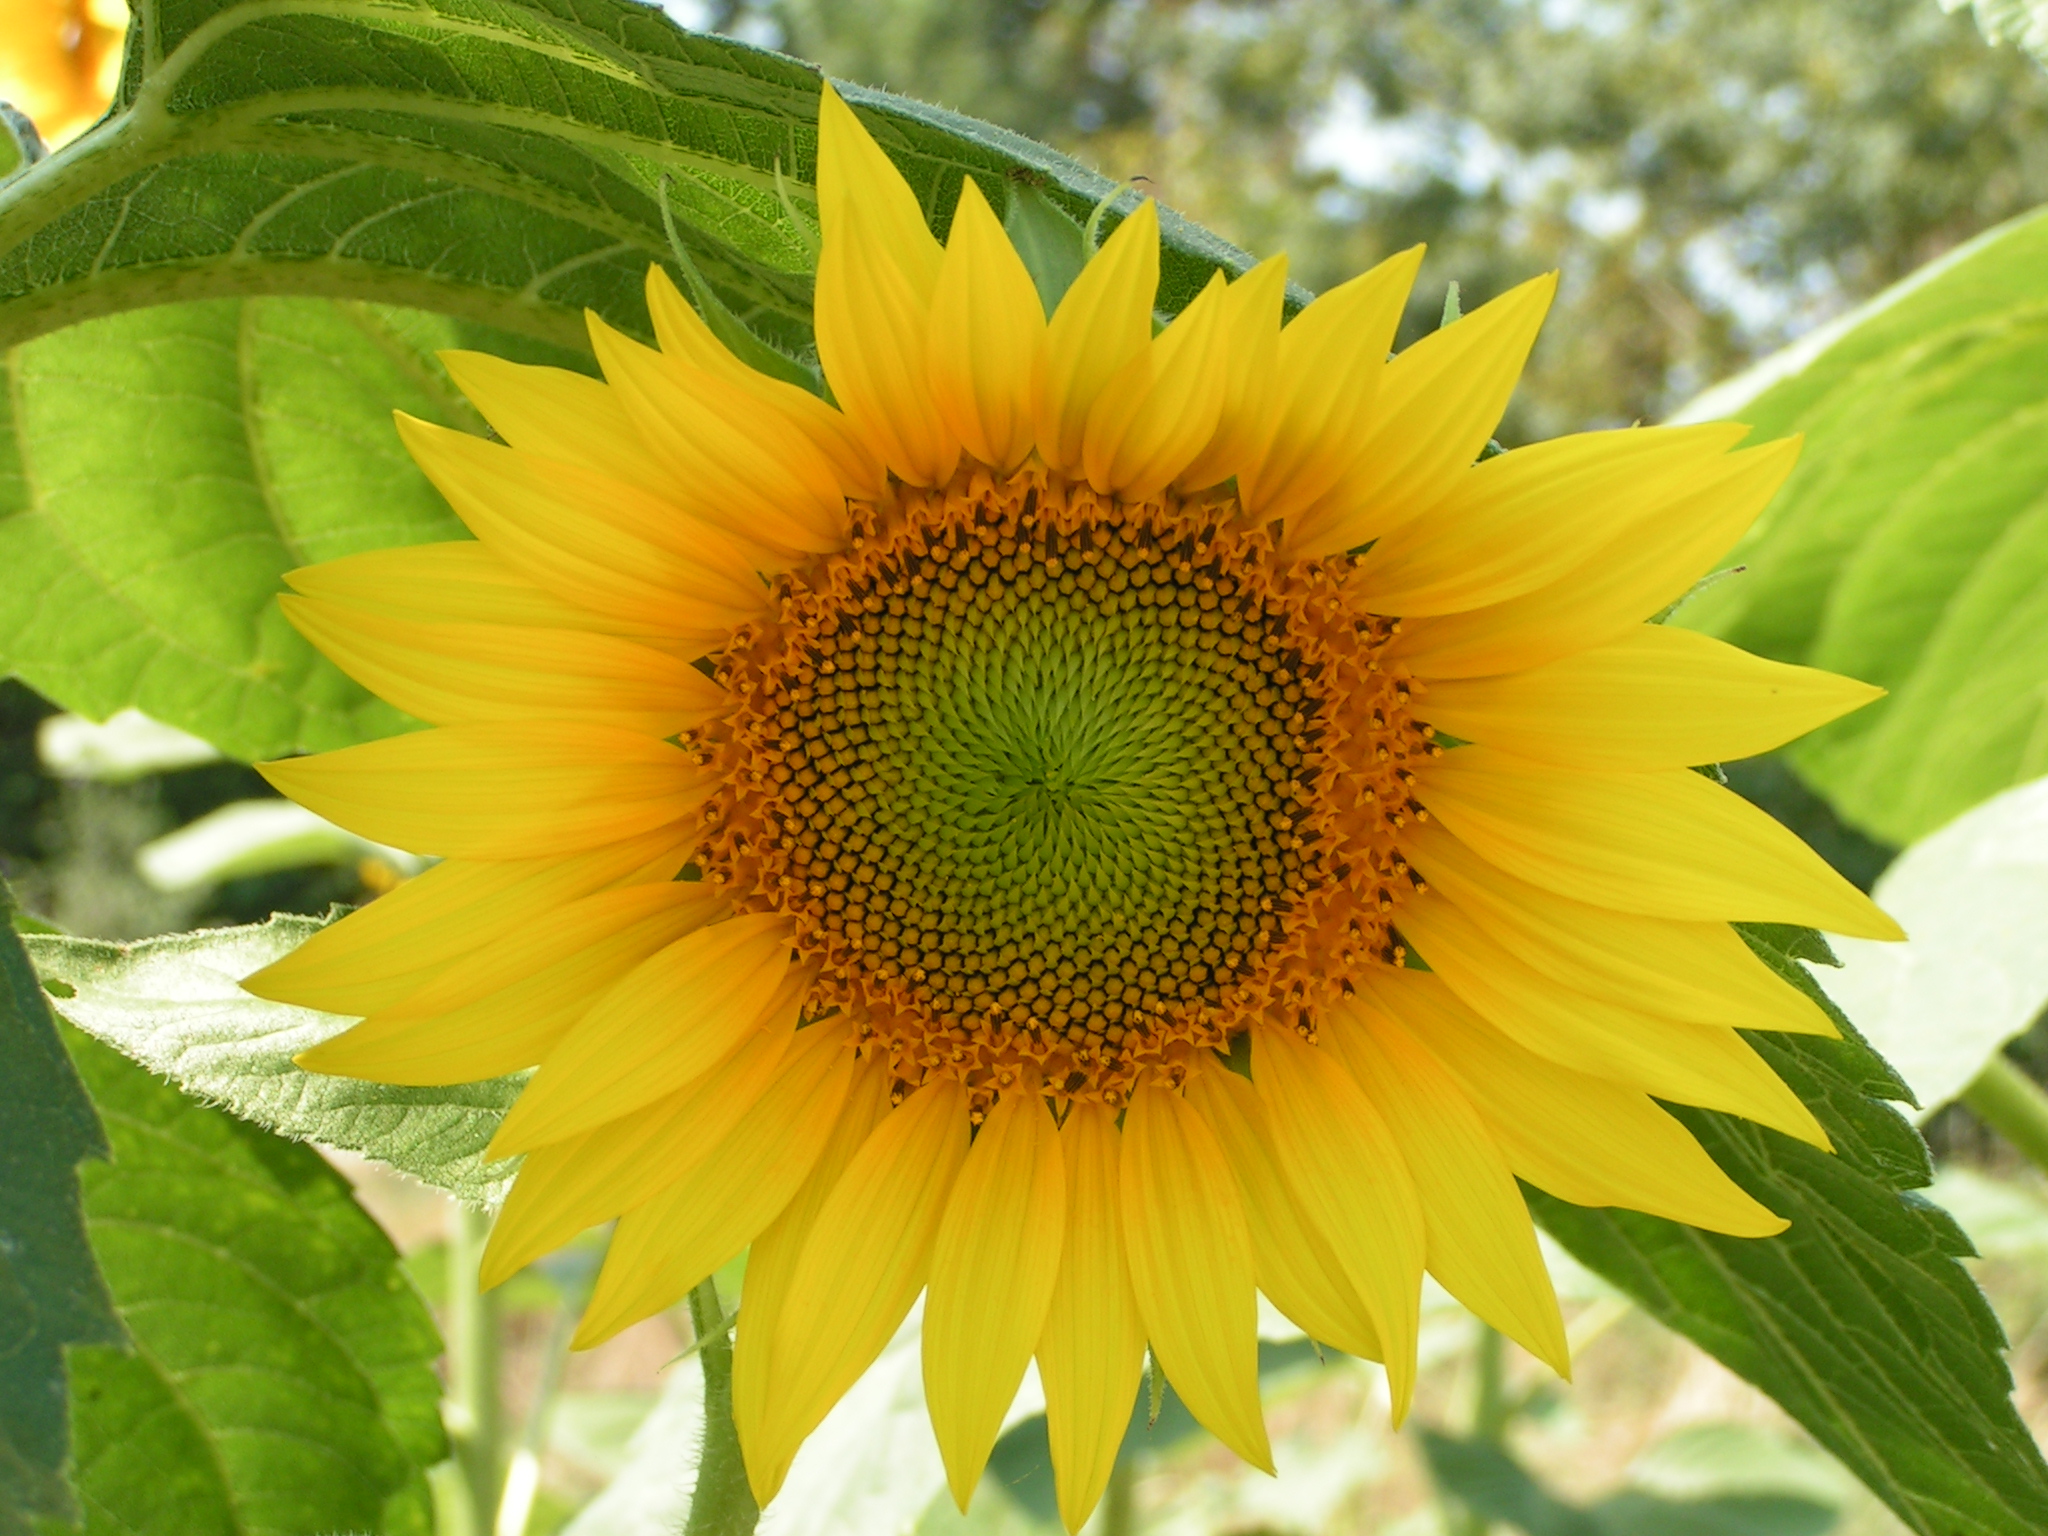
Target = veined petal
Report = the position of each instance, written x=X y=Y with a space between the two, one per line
x=987 y=337
x=1191 y=1266
x=596 y=543
x=683 y=334
x=1349 y=1174
x=771 y=1261
x=1326 y=388
x=1656 y=698
x=738 y=463
x=459 y=582
x=1092 y=1350
x=570 y=1185
x=502 y=1007
x=1705 y=1064
x=853 y=171
x=555 y=414
x=1250 y=326
x=874 y=338
x=864 y=1262
x=994 y=1261
x=665 y=1024
x=1292 y=1263
x=1103 y=322
x=1581 y=1138
x=1438 y=402
x=661 y=1249
x=449 y=674
x=1698 y=971
x=1647 y=569
x=1481 y=1243
x=1162 y=408
x=1526 y=518
x=500 y=789
x=382 y=953
x=1665 y=844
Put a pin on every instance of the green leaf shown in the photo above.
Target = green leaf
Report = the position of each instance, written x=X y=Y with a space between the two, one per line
x=492 y=159
x=160 y=471
x=1858 y=1320
x=173 y=1004
x=1910 y=546
x=51 y=1294
x=281 y=1380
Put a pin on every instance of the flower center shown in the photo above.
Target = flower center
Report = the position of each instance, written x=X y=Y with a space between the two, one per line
x=1043 y=779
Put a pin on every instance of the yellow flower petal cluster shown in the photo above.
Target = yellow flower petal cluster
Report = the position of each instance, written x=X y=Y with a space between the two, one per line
x=1097 y=825
x=60 y=61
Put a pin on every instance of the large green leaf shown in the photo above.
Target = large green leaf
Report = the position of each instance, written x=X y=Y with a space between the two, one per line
x=494 y=159
x=51 y=1294
x=1910 y=546
x=160 y=470
x=1858 y=1320
x=281 y=1380
x=173 y=1004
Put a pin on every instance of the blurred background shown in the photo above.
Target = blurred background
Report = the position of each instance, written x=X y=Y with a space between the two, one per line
x=1713 y=179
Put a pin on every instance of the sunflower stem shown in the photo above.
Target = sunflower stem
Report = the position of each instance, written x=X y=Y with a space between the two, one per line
x=2012 y=1104
x=1119 y=1508
x=473 y=1368
x=1491 y=1410
x=723 y=1504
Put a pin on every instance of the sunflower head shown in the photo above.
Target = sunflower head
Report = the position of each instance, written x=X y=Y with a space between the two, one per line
x=1100 y=822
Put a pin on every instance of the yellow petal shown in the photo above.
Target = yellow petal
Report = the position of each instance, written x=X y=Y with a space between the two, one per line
x=994 y=1261
x=1583 y=1139
x=874 y=338
x=1705 y=1064
x=567 y=1186
x=567 y=417
x=738 y=463
x=1656 y=698
x=1665 y=844
x=683 y=333
x=987 y=337
x=1292 y=1263
x=661 y=1250
x=1326 y=388
x=1102 y=323
x=448 y=674
x=863 y=1264
x=500 y=789
x=1347 y=1171
x=853 y=171
x=596 y=543
x=664 y=1025
x=380 y=954
x=1438 y=402
x=1481 y=1244
x=1191 y=1266
x=1162 y=408
x=1648 y=568
x=502 y=1007
x=1698 y=971
x=1092 y=1350
x=1526 y=518
x=1250 y=324
x=460 y=582
x=772 y=1259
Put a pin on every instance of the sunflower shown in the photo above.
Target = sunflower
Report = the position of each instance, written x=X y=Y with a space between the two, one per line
x=60 y=60
x=1103 y=822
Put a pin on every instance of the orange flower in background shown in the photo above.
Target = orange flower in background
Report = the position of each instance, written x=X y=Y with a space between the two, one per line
x=60 y=61
x=1095 y=826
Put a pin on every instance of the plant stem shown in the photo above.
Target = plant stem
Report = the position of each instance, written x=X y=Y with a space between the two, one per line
x=473 y=1368
x=2012 y=1104
x=723 y=1504
x=1492 y=1412
x=1119 y=1509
